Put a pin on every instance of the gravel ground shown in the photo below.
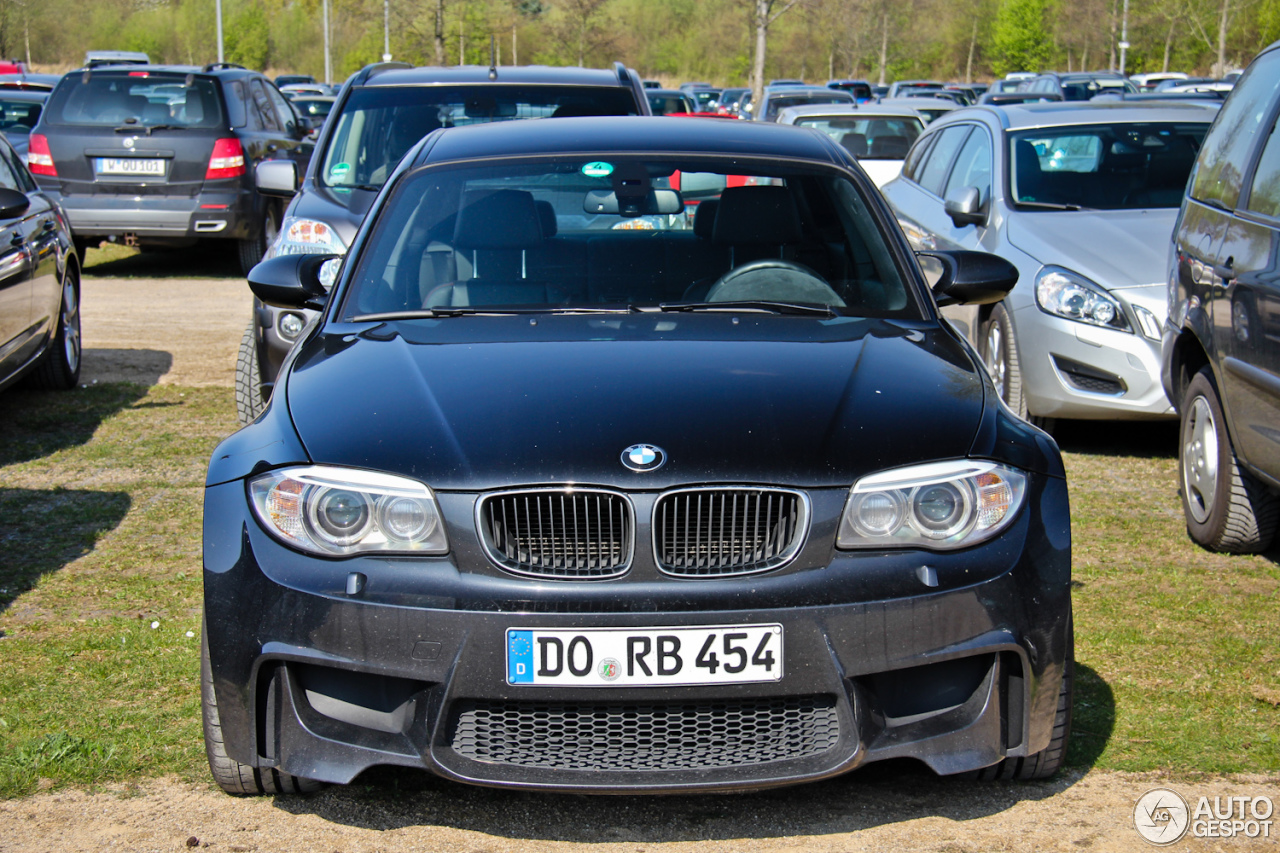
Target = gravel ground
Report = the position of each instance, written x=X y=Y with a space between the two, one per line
x=186 y=332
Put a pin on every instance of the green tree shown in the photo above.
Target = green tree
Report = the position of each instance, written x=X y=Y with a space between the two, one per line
x=1021 y=39
x=245 y=37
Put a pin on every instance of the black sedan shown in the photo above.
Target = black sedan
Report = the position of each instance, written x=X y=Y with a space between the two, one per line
x=578 y=483
x=39 y=283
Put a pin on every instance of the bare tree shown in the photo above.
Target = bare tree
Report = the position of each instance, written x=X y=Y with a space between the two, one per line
x=765 y=13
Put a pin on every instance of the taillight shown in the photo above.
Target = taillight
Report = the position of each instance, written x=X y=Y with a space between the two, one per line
x=39 y=157
x=227 y=160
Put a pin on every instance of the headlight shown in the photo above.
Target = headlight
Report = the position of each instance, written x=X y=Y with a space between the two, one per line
x=339 y=511
x=940 y=506
x=1076 y=298
x=306 y=237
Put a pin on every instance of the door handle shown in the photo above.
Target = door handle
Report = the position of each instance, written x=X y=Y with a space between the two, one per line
x=16 y=239
x=1224 y=270
x=48 y=225
x=272 y=148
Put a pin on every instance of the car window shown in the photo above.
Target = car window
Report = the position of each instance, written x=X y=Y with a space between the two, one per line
x=8 y=179
x=940 y=157
x=18 y=117
x=973 y=166
x=284 y=113
x=1122 y=166
x=571 y=232
x=1218 y=175
x=26 y=183
x=1264 y=194
x=261 y=107
x=869 y=138
x=379 y=124
x=144 y=98
x=916 y=156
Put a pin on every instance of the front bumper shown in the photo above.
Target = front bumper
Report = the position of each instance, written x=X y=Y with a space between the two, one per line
x=411 y=671
x=1075 y=370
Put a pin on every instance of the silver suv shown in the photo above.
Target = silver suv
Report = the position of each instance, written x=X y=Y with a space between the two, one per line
x=1081 y=198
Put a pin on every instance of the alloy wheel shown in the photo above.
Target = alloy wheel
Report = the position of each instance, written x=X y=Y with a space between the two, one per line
x=1200 y=460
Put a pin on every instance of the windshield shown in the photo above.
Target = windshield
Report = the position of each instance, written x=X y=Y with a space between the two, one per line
x=869 y=138
x=379 y=124
x=778 y=103
x=143 y=98
x=18 y=116
x=627 y=234
x=1106 y=167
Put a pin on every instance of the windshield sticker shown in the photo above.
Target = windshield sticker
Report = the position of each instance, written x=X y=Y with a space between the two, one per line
x=339 y=170
x=597 y=170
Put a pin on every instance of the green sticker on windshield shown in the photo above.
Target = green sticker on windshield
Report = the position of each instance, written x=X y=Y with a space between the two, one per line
x=598 y=170
x=339 y=170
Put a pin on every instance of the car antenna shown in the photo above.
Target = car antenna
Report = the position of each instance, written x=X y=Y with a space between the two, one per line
x=493 y=63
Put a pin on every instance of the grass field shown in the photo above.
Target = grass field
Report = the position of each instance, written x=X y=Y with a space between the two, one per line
x=100 y=493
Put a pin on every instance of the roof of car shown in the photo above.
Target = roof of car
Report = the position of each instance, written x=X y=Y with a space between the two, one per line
x=598 y=137
x=137 y=69
x=921 y=103
x=434 y=75
x=1094 y=112
x=863 y=110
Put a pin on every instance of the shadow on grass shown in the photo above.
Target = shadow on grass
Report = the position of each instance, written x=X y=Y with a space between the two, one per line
x=141 y=366
x=34 y=424
x=1142 y=439
x=41 y=531
x=1093 y=718
x=206 y=259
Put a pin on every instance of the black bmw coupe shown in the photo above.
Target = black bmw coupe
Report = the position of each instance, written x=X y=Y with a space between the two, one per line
x=632 y=454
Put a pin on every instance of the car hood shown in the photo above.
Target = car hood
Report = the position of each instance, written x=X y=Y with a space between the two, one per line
x=1115 y=248
x=470 y=403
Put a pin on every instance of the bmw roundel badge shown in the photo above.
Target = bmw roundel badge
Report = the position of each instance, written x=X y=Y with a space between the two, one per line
x=644 y=457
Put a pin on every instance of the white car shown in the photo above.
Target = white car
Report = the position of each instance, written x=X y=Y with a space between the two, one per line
x=877 y=136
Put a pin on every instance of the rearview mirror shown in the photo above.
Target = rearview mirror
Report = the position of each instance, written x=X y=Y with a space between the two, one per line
x=964 y=206
x=652 y=203
x=293 y=281
x=277 y=177
x=971 y=278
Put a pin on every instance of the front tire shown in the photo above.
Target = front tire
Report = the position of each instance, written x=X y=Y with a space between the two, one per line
x=1226 y=508
x=253 y=249
x=249 y=401
x=999 y=353
x=232 y=776
x=59 y=370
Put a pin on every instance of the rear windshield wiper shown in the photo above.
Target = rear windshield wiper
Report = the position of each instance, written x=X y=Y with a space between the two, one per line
x=759 y=306
x=147 y=128
x=1049 y=205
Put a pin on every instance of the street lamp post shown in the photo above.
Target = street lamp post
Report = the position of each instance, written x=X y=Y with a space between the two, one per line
x=328 y=66
x=218 y=14
x=386 y=30
x=1124 y=35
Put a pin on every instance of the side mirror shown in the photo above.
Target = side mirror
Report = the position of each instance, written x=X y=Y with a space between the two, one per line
x=13 y=203
x=293 y=281
x=965 y=207
x=277 y=177
x=971 y=278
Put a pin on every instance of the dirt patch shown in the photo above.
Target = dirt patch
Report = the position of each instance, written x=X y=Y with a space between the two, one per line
x=163 y=331
x=870 y=810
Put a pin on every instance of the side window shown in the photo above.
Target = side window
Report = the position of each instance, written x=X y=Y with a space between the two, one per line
x=8 y=179
x=944 y=151
x=284 y=113
x=915 y=156
x=265 y=113
x=973 y=166
x=1226 y=148
x=1264 y=194
x=26 y=183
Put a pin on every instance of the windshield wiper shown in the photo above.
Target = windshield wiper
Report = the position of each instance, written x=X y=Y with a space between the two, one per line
x=761 y=306
x=1049 y=205
x=147 y=128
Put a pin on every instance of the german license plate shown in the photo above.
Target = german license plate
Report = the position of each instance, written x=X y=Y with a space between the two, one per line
x=644 y=657
x=128 y=166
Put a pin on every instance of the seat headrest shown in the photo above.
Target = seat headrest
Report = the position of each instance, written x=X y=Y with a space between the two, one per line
x=889 y=146
x=855 y=144
x=547 y=219
x=765 y=215
x=704 y=219
x=505 y=219
x=1027 y=169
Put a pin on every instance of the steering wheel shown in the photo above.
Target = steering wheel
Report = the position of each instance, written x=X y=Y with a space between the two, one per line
x=773 y=280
